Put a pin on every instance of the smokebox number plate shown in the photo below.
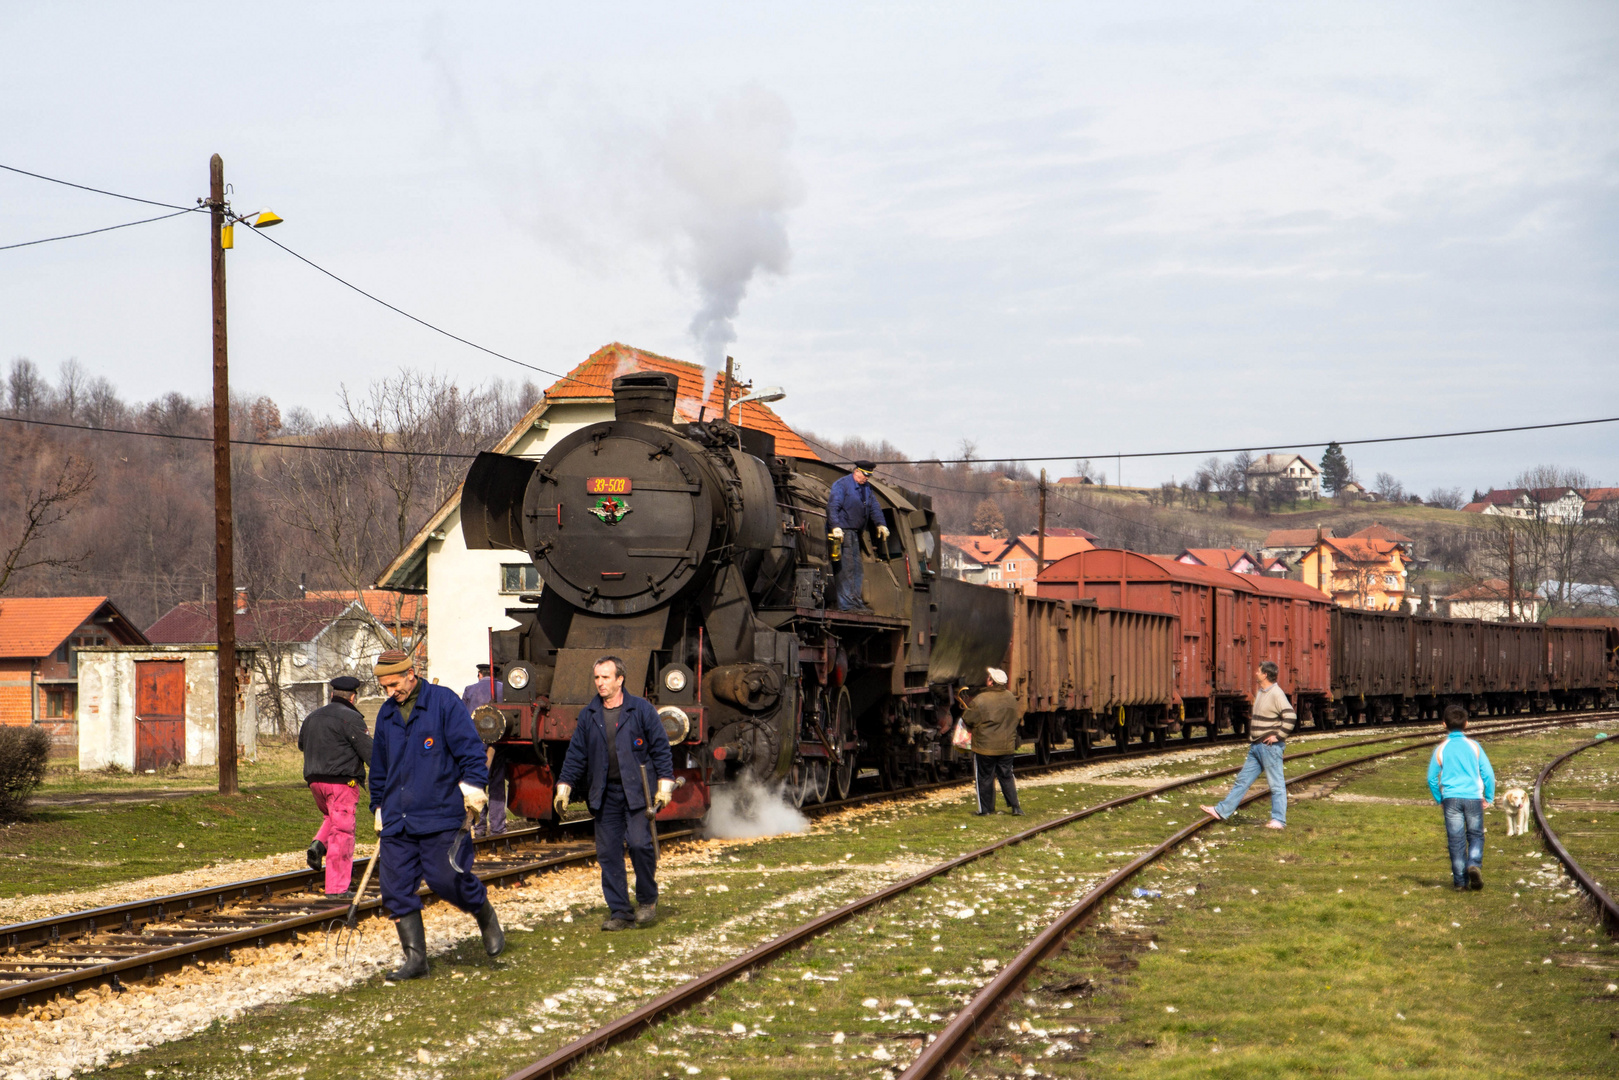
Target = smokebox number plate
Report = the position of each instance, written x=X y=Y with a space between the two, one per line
x=607 y=485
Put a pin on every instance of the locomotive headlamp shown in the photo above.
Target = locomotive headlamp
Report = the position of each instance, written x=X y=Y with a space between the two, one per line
x=674 y=680
x=517 y=677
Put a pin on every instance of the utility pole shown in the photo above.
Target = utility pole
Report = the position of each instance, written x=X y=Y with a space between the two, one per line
x=224 y=565
x=1040 y=537
x=725 y=400
x=1512 y=574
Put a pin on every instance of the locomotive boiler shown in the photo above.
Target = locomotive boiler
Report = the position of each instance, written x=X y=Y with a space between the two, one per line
x=698 y=556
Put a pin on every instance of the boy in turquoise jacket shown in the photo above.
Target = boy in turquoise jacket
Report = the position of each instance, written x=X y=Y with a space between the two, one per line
x=1463 y=784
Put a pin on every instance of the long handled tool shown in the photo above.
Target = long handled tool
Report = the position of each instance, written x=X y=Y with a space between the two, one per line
x=346 y=932
x=651 y=813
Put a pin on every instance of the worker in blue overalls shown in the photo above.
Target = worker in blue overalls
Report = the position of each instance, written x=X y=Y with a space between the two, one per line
x=850 y=508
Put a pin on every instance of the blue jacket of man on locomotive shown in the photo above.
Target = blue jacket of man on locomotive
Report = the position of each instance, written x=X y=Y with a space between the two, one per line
x=617 y=741
x=851 y=506
x=427 y=783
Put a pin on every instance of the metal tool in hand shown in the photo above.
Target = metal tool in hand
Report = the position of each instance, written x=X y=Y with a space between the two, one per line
x=651 y=810
x=347 y=931
x=456 y=844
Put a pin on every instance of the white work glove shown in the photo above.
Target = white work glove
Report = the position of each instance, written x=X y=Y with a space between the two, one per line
x=882 y=532
x=666 y=792
x=377 y=820
x=837 y=533
x=561 y=803
x=474 y=798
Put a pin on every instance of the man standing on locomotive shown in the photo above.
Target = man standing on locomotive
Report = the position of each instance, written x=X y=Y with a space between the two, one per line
x=852 y=506
x=427 y=782
x=616 y=740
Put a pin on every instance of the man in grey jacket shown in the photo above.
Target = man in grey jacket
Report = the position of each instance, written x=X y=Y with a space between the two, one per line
x=1271 y=721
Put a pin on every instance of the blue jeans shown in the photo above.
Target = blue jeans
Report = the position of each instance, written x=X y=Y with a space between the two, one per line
x=1261 y=758
x=1464 y=831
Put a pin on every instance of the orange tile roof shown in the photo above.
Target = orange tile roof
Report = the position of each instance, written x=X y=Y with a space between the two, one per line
x=1219 y=558
x=985 y=549
x=379 y=602
x=594 y=379
x=1378 y=531
x=33 y=626
x=1491 y=589
x=1357 y=550
x=1057 y=547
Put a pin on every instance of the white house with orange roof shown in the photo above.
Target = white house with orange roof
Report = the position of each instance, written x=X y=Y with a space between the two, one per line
x=1012 y=562
x=469 y=591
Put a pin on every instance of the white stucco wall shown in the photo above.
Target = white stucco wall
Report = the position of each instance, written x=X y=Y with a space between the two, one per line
x=106 y=711
x=464 y=599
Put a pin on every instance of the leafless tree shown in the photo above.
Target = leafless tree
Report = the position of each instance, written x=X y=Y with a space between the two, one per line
x=1446 y=498
x=46 y=486
x=1388 y=488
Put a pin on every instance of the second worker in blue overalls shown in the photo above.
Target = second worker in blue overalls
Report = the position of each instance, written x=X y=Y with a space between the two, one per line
x=616 y=738
x=849 y=509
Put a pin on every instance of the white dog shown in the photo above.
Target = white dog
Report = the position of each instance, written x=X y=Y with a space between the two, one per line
x=1516 y=804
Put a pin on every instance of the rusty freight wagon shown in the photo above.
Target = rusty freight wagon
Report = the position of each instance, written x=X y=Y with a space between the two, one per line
x=1083 y=672
x=1596 y=634
x=1228 y=623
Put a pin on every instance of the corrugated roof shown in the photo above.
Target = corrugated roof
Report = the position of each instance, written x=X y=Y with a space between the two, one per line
x=34 y=626
x=696 y=397
x=289 y=621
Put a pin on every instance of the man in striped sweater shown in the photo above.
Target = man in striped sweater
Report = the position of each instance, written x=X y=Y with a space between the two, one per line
x=1271 y=721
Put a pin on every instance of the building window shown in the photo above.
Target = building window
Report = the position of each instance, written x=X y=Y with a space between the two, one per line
x=994 y=575
x=519 y=577
x=55 y=704
x=1011 y=567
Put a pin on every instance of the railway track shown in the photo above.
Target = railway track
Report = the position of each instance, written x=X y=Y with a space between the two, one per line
x=950 y=1043
x=143 y=939
x=1607 y=909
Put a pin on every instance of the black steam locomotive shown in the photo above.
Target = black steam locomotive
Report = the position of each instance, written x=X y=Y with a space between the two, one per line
x=698 y=556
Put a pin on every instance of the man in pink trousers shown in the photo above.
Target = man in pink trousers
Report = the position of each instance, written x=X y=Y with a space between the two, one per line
x=336 y=749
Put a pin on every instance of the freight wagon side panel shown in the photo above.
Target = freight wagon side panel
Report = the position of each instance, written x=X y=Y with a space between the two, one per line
x=1371 y=653
x=1576 y=658
x=1085 y=655
x=1138 y=648
x=1039 y=652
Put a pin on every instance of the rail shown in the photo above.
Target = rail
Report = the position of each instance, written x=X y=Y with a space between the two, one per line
x=1607 y=909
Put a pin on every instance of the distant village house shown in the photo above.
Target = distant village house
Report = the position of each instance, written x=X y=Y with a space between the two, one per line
x=1290 y=472
x=40 y=642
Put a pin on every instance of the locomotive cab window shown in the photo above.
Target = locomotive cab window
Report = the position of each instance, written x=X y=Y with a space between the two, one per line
x=519 y=578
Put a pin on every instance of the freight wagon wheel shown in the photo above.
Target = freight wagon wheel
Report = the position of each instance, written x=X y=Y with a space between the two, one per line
x=1042 y=741
x=844 y=738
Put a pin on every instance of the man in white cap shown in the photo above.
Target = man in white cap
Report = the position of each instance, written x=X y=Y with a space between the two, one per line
x=993 y=718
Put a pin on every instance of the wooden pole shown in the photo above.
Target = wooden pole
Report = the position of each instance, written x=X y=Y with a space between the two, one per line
x=1040 y=538
x=1512 y=574
x=725 y=401
x=224 y=572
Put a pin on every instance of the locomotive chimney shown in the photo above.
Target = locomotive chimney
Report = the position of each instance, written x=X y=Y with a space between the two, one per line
x=646 y=397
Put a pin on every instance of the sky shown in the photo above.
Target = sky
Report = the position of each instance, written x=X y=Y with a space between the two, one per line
x=1067 y=230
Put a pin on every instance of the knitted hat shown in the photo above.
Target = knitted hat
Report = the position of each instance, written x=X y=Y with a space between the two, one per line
x=392 y=662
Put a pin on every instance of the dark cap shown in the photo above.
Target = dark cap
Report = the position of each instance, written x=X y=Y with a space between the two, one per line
x=865 y=464
x=348 y=684
x=483 y=667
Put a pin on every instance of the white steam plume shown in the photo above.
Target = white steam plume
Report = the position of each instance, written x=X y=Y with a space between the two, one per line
x=731 y=183
x=746 y=809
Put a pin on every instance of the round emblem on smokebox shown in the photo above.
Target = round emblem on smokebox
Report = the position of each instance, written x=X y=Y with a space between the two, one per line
x=610 y=509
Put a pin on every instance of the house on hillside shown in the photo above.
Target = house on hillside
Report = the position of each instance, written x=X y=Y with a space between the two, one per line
x=1293 y=472
x=1367 y=574
x=1488 y=600
x=40 y=641
x=1354 y=489
x=1290 y=544
x=478 y=586
x=1556 y=504
x=299 y=646
x=1235 y=560
x=1274 y=567
x=1601 y=504
x=1378 y=531
x=1012 y=562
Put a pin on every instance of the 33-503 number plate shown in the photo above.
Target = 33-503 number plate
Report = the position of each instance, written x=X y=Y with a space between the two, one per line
x=607 y=485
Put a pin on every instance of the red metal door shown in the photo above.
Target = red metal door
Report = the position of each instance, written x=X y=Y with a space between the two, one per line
x=160 y=713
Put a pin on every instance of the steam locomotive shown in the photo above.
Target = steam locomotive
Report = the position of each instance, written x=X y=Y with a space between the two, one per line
x=700 y=557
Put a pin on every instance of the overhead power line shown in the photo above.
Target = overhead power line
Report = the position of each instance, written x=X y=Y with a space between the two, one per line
x=92 y=232
x=239 y=442
x=985 y=460
x=101 y=191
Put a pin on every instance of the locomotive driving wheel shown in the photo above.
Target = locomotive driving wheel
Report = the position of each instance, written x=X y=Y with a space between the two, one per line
x=842 y=733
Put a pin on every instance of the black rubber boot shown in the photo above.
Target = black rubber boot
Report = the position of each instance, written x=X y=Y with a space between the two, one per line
x=316 y=852
x=413 y=940
x=494 y=938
